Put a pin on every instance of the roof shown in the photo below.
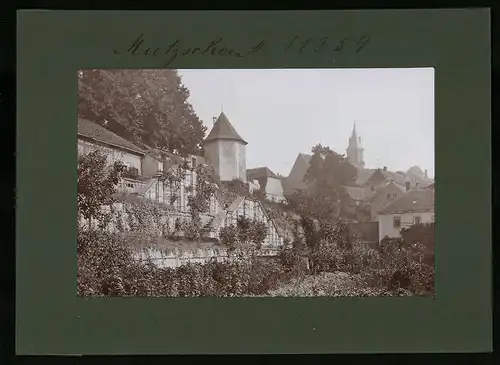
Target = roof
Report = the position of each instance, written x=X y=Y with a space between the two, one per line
x=355 y=192
x=223 y=129
x=416 y=170
x=89 y=129
x=413 y=201
x=261 y=172
x=363 y=175
x=307 y=158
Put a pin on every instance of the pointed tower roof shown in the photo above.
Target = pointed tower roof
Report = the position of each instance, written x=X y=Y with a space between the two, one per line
x=223 y=129
x=354 y=141
x=354 y=135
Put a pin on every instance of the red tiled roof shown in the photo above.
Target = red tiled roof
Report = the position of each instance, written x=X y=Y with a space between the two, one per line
x=94 y=131
x=223 y=129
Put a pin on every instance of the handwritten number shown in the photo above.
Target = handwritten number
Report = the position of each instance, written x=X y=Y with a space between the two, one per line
x=291 y=43
x=362 y=42
x=322 y=44
x=305 y=44
x=257 y=47
x=340 y=45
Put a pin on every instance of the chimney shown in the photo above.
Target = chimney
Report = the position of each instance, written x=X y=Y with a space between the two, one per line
x=385 y=168
x=214 y=119
x=407 y=183
x=359 y=139
x=426 y=174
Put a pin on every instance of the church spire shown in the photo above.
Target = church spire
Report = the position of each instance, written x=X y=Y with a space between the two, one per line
x=354 y=150
x=353 y=135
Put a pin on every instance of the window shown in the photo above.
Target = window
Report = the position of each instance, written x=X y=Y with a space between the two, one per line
x=394 y=195
x=416 y=220
x=397 y=222
x=388 y=196
x=193 y=162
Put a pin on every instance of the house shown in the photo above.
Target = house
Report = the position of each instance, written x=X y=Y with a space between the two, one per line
x=380 y=177
x=92 y=136
x=225 y=150
x=383 y=196
x=269 y=182
x=414 y=207
x=295 y=180
x=355 y=203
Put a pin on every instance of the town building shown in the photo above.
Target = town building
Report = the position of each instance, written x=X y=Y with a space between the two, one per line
x=354 y=150
x=270 y=183
x=223 y=147
x=225 y=150
x=414 y=207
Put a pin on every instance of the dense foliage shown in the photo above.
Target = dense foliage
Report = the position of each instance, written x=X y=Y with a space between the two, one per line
x=247 y=234
x=327 y=174
x=96 y=184
x=106 y=267
x=144 y=106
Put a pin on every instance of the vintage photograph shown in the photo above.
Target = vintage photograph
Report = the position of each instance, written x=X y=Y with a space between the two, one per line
x=255 y=182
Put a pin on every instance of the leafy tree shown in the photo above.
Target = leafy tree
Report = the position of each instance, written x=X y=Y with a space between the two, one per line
x=420 y=238
x=145 y=106
x=96 y=184
x=246 y=234
x=327 y=174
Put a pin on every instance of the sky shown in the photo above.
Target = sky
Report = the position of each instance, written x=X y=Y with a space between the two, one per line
x=284 y=112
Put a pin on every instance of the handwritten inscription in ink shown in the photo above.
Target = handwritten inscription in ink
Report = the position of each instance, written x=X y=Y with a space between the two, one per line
x=176 y=49
x=325 y=44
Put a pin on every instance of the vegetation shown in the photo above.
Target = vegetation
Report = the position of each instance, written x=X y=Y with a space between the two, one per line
x=149 y=107
x=247 y=234
x=96 y=185
x=144 y=106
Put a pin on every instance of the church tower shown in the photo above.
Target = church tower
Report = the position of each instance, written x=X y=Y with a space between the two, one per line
x=225 y=150
x=354 y=150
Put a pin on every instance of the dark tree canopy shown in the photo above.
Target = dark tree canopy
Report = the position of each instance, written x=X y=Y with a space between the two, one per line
x=144 y=106
x=327 y=174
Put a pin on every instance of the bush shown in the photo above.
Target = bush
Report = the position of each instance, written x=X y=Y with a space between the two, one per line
x=106 y=267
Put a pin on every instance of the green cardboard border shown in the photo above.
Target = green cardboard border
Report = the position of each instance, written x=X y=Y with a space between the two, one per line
x=52 y=45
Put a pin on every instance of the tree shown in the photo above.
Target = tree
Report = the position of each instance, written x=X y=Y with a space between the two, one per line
x=96 y=184
x=144 y=106
x=247 y=234
x=420 y=238
x=327 y=174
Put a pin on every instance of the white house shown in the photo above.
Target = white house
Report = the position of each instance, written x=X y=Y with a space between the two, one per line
x=414 y=207
x=92 y=136
x=269 y=182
